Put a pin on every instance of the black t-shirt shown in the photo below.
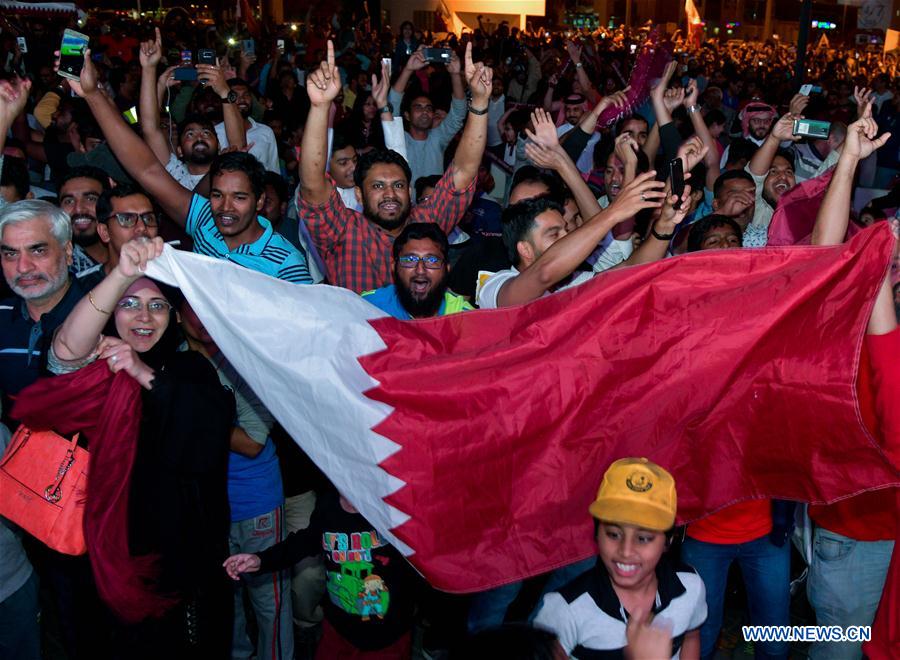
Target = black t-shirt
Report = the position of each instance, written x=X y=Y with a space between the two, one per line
x=24 y=343
x=369 y=584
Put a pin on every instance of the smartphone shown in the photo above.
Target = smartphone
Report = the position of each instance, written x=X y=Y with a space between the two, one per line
x=438 y=55
x=131 y=115
x=280 y=45
x=676 y=176
x=633 y=48
x=71 y=54
x=806 y=90
x=206 y=56
x=185 y=73
x=186 y=57
x=386 y=62
x=248 y=46
x=23 y=45
x=812 y=128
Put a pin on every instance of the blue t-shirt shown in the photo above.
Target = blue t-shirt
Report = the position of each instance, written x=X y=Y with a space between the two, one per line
x=271 y=253
x=254 y=484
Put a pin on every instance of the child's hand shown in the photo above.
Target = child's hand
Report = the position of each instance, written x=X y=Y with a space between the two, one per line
x=241 y=563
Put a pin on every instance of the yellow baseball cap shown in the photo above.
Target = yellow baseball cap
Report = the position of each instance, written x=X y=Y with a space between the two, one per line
x=635 y=491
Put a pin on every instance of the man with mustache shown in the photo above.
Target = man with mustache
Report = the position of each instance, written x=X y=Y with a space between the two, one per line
x=420 y=271
x=79 y=190
x=225 y=226
x=356 y=247
x=198 y=142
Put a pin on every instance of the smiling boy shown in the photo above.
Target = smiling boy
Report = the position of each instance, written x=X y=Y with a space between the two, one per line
x=634 y=578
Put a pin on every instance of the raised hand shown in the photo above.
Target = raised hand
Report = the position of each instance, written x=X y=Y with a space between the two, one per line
x=417 y=60
x=626 y=149
x=783 y=129
x=691 y=94
x=13 y=97
x=479 y=78
x=546 y=157
x=544 y=129
x=214 y=77
x=151 y=52
x=135 y=254
x=645 y=192
x=861 y=141
x=798 y=104
x=241 y=563
x=669 y=216
x=454 y=66
x=87 y=84
x=658 y=92
x=324 y=84
x=861 y=95
x=692 y=152
x=380 y=87
x=617 y=99
x=574 y=52
x=672 y=98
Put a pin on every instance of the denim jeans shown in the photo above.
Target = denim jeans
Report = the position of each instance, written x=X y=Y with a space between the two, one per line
x=20 y=635
x=488 y=608
x=844 y=587
x=766 y=571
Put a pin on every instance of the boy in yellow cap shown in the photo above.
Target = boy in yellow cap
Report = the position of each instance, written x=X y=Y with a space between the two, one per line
x=607 y=607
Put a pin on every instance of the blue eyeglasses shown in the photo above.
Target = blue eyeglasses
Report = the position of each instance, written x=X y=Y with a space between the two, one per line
x=412 y=261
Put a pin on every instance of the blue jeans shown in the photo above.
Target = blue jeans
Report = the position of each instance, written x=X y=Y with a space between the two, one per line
x=844 y=587
x=766 y=572
x=20 y=635
x=488 y=608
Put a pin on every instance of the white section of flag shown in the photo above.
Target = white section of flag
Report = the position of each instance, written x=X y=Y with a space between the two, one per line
x=298 y=348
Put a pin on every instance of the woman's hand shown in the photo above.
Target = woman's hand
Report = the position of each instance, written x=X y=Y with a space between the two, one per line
x=120 y=356
x=134 y=255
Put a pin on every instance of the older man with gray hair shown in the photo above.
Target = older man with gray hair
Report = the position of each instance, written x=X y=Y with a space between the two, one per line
x=36 y=251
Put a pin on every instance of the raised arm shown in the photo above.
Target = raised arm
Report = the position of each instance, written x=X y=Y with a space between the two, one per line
x=13 y=97
x=545 y=151
x=134 y=154
x=698 y=121
x=834 y=214
x=413 y=64
x=575 y=55
x=562 y=258
x=763 y=157
x=214 y=77
x=78 y=336
x=148 y=108
x=322 y=86
x=474 y=137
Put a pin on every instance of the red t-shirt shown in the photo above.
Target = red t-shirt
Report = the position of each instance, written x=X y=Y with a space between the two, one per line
x=872 y=516
x=738 y=523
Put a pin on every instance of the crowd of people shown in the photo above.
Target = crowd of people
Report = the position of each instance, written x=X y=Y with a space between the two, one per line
x=432 y=174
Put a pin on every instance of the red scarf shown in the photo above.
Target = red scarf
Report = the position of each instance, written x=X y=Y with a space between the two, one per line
x=106 y=408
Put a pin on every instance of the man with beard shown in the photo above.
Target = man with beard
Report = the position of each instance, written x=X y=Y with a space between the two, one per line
x=198 y=143
x=225 y=226
x=420 y=268
x=356 y=247
x=79 y=190
x=35 y=251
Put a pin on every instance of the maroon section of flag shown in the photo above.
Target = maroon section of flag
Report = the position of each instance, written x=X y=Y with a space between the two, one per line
x=794 y=219
x=734 y=369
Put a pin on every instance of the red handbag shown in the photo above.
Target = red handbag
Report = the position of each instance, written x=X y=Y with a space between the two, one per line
x=43 y=488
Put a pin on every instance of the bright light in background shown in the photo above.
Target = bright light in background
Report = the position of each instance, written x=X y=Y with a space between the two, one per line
x=231 y=41
x=294 y=27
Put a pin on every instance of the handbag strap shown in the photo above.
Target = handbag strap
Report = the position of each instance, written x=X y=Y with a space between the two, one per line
x=52 y=492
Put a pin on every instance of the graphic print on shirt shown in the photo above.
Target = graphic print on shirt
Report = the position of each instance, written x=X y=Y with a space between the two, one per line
x=355 y=587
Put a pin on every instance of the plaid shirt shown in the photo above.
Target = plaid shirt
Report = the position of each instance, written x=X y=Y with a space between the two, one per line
x=356 y=251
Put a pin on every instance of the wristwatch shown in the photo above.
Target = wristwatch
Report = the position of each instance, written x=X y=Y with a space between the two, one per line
x=475 y=111
x=389 y=108
x=578 y=65
x=230 y=97
x=694 y=108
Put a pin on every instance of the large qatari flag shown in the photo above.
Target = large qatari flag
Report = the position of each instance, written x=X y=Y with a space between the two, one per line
x=475 y=442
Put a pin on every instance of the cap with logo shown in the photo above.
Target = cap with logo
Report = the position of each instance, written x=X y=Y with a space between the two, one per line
x=635 y=491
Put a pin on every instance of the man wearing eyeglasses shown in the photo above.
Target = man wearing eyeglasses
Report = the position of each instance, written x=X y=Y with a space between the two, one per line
x=420 y=270
x=124 y=213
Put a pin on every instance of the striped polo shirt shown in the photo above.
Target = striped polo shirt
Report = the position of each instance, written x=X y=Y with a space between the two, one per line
x=590 y=622
x=271 y=253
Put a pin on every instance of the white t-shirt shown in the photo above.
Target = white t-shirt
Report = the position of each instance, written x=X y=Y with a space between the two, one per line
x=486 y=298
x=265 y=147
x=182 y=174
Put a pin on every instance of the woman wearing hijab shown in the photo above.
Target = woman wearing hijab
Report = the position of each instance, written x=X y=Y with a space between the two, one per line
x=157 y=421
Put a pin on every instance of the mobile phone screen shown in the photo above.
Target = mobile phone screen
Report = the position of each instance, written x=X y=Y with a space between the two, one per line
x=71 y=54
x=186 y=57
x=676 y=175
x=131 y=115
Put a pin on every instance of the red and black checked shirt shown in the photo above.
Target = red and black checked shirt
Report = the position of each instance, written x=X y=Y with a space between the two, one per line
x=356 y=251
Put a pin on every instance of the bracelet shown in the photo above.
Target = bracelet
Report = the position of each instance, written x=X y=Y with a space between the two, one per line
x=475 y=111
x=94 y=305
x=661 y=237
x=693 y=109
x=578 y=65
